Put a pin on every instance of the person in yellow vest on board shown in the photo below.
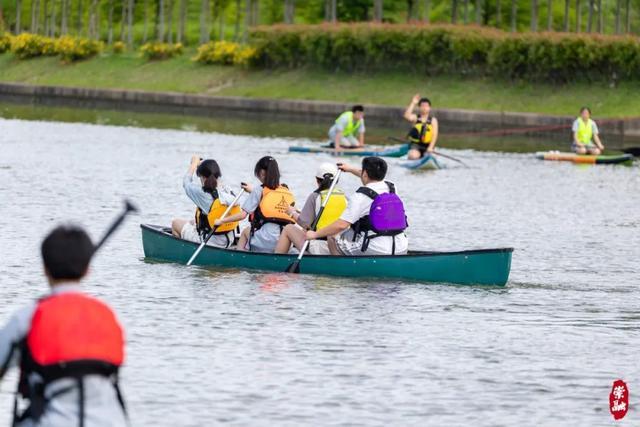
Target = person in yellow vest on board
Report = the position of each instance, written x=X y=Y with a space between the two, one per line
x=424 y=132
x=586 y=137
x=348 y=130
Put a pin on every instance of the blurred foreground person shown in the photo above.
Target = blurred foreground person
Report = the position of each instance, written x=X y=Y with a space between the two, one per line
x=68 y=345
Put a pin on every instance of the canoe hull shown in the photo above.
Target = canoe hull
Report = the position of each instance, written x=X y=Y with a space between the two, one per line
x=478 y=267
x=395 y=151
x=427 y=162
x=585 y=158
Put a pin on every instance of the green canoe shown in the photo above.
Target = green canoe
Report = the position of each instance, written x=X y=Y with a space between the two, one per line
x=473 y=267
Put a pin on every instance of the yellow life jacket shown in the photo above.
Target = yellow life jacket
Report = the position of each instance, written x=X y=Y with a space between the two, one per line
x=421 y=133
x=273 y=207
x=585 y=131
x=204 y=222
x=352 y=127
x=335 y=206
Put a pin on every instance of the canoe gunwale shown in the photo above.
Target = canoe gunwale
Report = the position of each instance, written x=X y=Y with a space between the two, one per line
x=411 y=254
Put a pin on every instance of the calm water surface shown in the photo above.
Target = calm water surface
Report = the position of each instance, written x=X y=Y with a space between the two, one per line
x=212 y=347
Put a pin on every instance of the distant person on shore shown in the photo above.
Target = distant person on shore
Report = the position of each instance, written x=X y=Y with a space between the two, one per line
x=296 y=233
x=585 y=133
x=211 y=200
x=348 y=130
x=69 y=346
x=424 y=133
x=374 y=221
x=268 y=208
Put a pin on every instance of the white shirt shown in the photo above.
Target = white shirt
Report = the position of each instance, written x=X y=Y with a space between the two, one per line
x=358 y=207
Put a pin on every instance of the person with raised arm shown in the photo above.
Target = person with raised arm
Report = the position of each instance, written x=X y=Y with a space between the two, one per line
x=424 y=132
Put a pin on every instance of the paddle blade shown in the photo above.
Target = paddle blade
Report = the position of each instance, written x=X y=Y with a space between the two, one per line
x=130 y=207
x=294 y=267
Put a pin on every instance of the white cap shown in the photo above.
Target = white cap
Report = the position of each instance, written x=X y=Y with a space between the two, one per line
x=326 y=168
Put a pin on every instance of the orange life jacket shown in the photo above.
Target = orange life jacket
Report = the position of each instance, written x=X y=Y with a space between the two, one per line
x=71 y=335
x=204 y=222
x=273 y=207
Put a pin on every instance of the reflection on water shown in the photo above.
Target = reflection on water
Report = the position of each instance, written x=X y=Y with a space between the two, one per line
x=210 y=347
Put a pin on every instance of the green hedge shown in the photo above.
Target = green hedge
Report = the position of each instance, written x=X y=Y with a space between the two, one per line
x=449 y=49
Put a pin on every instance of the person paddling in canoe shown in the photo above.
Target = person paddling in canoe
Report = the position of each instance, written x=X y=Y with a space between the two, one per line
x=267 y=207
x=424 y=133
x=69 y=346
x=586 y=136
x=296 y=233
x=374 y=221
x=348 y=130
x=202 y=185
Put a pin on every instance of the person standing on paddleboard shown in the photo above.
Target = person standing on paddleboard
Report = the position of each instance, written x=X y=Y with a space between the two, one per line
x=69 y=346
x=424 y=133
x=585 y=133
x=348 y=130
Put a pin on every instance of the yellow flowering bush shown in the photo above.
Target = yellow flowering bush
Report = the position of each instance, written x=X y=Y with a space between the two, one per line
x=5 y=42
x=32 y=45
x=76 y=48
x=244 y=56
x=118 y=47
x=221 y=52
x=156 y=50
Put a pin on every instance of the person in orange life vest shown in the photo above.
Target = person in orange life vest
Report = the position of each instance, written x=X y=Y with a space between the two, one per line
x=268 y=207
x=424 y=133
x=69 y=346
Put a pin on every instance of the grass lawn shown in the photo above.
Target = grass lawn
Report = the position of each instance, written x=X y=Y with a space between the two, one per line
x=129 y=71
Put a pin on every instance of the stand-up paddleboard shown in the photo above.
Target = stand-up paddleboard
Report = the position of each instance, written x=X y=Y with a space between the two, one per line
x=427 y=162
x=395 y=151
x=585 y=158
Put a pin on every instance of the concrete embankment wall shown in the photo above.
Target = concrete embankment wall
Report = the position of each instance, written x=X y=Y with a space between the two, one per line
x=463 y=122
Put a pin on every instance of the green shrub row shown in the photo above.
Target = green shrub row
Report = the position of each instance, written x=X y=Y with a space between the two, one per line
x=448 y=49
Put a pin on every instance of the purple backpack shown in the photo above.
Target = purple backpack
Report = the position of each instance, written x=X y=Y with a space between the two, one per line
x=387 y=216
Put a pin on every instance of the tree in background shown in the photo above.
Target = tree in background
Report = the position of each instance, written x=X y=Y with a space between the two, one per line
x=197 y=21
x=290 y=11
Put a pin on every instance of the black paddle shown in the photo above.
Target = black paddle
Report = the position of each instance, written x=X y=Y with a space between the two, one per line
x=294 y=267
x=128 y=208
x=224 y=215
x=437 y=153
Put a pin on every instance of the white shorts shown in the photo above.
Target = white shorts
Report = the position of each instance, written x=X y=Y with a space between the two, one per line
x=190 y=233
x=349 y=141
x=318 y=247
x=350 y=248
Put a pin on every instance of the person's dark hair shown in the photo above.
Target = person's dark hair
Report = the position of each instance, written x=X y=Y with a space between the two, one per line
x=585 y=109
x=66 y=253
x=357 y=108
x=325 y=182
x=272 y=172
x=423 y=100
x=375 y=167
x=210 y=170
